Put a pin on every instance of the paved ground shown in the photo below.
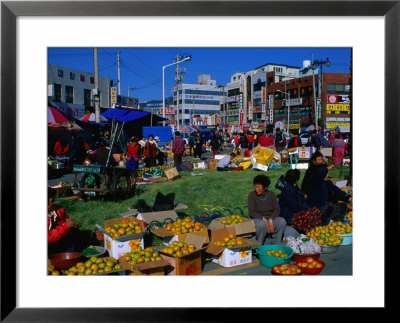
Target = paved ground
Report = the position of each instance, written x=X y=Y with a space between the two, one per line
x=338 y=263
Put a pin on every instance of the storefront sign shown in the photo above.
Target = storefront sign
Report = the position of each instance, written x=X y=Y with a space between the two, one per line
x=338 y=108
x=257 y=95
x=232 y=99
x=241 y=85
x=113 y=95
x=291 y=102
x=338 y=98
x=264 y=94
x=334 y=124
x=263 y=108
x=241 y=116
x=271 y=101
x=271 y=116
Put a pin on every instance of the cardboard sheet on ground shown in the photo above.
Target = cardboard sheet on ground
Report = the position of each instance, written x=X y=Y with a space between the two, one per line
x=157 y=216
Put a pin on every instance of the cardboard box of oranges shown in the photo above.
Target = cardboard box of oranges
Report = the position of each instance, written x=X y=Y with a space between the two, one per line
x=144 y=262
x=188 y=263
x=179 y=230
x=229 y=250
x=242 y=225
x=121 y=234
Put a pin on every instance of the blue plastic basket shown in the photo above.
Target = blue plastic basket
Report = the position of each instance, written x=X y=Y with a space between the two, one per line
x=270 y=261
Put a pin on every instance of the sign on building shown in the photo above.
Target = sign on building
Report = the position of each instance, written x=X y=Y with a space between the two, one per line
x=271 y=101
x=338 y=108
x=113 y=96
x=271 y=116
x=296 y=101
x=338 y=98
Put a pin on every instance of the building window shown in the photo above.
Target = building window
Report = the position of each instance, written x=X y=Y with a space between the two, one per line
x=278 y=69
x=69 y=94
x=233 y=92
x=257 y=87
x=337 y=88
x=92 y=79
x=280 y=78
x=257 y=102
x=82 y=78
x=60 y=73
x=72 y=76
x=87 y=97
x=57 y=92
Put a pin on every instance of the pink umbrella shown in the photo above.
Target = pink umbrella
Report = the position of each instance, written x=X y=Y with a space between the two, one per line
x=91 y=117
x=55 y=116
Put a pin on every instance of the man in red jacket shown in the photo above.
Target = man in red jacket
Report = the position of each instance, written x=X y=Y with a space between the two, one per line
x=62 y=235
x=267 y=141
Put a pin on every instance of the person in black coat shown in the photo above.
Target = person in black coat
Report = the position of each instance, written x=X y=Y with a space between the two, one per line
x=215 y=144
x=292 y=200
x=198 y=145
x=243 y=143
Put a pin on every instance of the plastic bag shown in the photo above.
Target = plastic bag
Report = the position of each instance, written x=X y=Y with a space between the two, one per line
x=280 y=184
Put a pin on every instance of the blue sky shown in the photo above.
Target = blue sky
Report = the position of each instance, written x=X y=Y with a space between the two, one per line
x=141 y=68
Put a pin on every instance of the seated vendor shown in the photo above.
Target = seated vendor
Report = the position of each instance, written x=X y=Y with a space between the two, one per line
x=264 y=211
x=292 y=200
x=63 y=236
x=225 y=163
x=101 y=154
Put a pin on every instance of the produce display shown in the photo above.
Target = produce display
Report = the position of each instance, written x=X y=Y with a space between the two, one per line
x=125 y=227
x=93 y=266
x=138 y=255
x=277 y=254
x=303 y=245
x=327 y=235
x=286 y=269
x=305 y=221
x=179 y=249
x=186 y=225
x=230 y=241
x=233 y=219
x=349 y=216
x=309 y=263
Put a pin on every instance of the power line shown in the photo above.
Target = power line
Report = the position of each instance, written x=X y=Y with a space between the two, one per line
x=124 y=65
x=144 y=63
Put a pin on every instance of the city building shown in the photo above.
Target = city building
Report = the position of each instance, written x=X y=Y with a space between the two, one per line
x=234 y=112
x=71 y=90
x=293 y=100
x=156 y=106
x=194 y=103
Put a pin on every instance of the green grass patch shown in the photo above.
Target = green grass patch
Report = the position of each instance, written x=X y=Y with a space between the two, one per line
x=210 y=192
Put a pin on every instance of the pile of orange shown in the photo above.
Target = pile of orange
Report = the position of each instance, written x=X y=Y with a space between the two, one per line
x=230 y=241
x=328 y=235
x=125 y=227
x=93 y=266
x=277 y=254
x=233 y=219
x=179 y=249
x=310 y=263
x=138 y=255
x=187 y=225
x=286 y=269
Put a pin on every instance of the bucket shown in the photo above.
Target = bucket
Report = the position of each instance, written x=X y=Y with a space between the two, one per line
x=347 y=239
x=270 y=261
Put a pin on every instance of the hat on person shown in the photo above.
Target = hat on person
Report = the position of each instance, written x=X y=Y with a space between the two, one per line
x=156 y=138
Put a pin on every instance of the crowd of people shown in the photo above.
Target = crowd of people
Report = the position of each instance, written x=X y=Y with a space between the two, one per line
x=271 y=215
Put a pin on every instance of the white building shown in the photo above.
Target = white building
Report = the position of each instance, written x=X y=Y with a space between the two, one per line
x=72 y=90
x=194 y=103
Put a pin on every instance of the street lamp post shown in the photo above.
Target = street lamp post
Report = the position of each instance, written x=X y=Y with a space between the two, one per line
x=187 y=58
x=288 y=105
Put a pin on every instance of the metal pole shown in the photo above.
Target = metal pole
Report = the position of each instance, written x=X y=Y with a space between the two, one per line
x=119 y=75
x=315 y=102
x=288 y=113
x=112 y=144
x=96 y=86
x=163 y=95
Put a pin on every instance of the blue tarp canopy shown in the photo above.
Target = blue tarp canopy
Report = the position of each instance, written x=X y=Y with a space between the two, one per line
x=122 y=115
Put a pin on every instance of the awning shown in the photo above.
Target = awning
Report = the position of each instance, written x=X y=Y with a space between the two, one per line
x=69 y=109
x=122 y=115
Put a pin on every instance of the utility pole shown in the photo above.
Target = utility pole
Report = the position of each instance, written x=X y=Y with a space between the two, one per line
x=96 y=86
x=314 y=95
x=178 y=79
x=119 y=75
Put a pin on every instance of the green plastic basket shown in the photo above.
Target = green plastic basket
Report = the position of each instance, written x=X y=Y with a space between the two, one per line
x=270 y=261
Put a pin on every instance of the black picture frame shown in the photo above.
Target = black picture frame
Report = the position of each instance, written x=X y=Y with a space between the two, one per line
x=10 y=10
